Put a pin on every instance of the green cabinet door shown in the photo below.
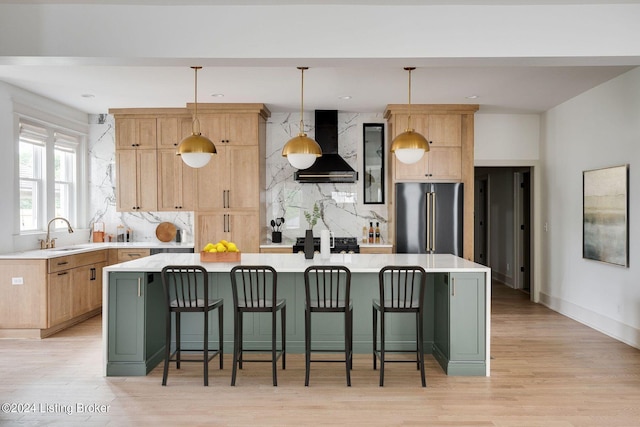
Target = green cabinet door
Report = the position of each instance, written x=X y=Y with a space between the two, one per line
x=459 y=330
x=136 y=324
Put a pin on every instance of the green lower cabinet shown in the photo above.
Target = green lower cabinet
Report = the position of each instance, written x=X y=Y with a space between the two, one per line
x=459 y=330
x=136 y=324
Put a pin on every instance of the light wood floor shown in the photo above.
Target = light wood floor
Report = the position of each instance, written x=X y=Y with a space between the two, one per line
x=547 y=370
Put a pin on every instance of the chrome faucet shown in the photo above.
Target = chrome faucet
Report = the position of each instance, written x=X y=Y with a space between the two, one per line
x=49 y=242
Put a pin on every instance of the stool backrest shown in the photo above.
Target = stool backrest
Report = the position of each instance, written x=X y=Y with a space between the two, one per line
x=327 y=286
x=402 y=287
x=254 y=286
x=186 y=287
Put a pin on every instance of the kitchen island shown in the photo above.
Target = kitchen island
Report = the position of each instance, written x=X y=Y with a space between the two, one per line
x=456 y=325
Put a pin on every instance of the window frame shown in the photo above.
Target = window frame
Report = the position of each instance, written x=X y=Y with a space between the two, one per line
x=58 y=136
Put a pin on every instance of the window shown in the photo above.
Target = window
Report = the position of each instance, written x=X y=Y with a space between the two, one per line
x=48 y=175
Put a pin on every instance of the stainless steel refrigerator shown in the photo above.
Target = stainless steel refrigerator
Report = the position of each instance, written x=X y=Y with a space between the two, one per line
x=429 y=218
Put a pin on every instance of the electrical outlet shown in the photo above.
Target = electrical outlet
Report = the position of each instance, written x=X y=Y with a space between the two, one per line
x=508 y=266
x=546 y=226
x=17 y=281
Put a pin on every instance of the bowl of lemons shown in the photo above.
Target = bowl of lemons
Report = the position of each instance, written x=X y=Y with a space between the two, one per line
x=222 y=251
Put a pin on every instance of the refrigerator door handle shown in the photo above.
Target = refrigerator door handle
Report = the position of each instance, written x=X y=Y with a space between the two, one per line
x=433 y=221
x=427 y=214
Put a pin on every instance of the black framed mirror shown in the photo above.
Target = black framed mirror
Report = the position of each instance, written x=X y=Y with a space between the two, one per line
x=373 y=166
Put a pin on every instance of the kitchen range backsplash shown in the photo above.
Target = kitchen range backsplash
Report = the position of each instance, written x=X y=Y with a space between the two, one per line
x=340 y=205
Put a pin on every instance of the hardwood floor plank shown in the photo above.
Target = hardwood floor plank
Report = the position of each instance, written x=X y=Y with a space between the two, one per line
x=547 y=370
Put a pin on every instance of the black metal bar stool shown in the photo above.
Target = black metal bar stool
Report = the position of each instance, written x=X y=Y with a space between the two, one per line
x=401 y=291
x=328 y=290
x=255 y=291
x=186 y=289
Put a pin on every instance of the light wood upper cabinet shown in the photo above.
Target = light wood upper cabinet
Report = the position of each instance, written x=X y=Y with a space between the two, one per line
x=135 y=133
x=137 y=180
x=444 y=159
x=230 y=128
x=176 y=182
x=172 y=129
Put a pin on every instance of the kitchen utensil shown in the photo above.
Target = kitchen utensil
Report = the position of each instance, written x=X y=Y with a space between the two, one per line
x=166 y=231
x=327 y=241
x=273 y=225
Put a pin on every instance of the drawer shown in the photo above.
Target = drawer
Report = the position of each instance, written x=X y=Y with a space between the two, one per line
x=129 y=254
x=72 y=261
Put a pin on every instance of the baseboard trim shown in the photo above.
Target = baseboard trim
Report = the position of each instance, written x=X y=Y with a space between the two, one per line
x=610 y=327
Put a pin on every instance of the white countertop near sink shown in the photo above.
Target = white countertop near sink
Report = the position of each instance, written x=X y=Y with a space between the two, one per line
x=88 y=247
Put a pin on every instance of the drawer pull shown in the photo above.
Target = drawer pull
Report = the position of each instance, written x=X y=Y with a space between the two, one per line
x=139 y=290
x=62 y=263
x=63 y=273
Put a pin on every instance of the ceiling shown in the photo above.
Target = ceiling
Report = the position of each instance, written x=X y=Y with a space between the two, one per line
x=514 y=85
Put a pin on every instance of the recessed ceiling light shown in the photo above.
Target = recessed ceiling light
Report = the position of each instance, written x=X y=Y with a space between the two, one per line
x=217 y=95
x=345 y=97
x=88 y=95
x=472 y=97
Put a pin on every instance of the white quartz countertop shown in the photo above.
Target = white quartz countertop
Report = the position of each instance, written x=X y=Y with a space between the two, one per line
x=88 y=247
x=296 y=263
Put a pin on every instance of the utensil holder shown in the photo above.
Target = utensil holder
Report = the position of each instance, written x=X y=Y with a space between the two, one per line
x=276 y=237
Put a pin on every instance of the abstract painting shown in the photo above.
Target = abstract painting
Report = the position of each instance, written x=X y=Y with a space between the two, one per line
x=605 y=235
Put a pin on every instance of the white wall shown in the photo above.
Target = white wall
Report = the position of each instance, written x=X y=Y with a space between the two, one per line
x=506 y=137
x=596 y=129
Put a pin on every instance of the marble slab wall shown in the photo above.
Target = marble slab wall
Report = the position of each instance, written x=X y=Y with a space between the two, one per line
x=341 y=207
x=341 y=204
x=102 y=190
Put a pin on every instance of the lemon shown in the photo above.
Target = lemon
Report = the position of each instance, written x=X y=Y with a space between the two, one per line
x=221 y=248
x=208 y=247
x=231 y=247
x=224 y=242
x=213 y=249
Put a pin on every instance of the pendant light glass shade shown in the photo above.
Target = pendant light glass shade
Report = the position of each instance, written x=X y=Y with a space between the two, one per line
x=301 y=151
x=196 y=150
x=409 y=146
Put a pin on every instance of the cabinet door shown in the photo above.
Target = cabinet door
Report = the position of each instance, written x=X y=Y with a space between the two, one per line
x=444 y=163
x=126 y=317
x=441 y=314
x=59 y=297
x=80 y=290
x=132 y=133
x=242 y=228
x=147 y=182
x=214 y=127
x=467 y=317
x=242 y=129
x=243 y=178
x=126 y=175
x=211 y=182
x=137 y=175
x=169 y=132
x=445 y=130
x=176 y=182
x=416 y=171
x=95 y=286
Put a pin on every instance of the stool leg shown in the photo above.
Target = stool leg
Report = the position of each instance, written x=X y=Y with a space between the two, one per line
x=283 y=318
x=205 y=343
x=420 y=348
x=375 y=337
x=273 y=348
x=307 y=345
x=236 y=346
x=177 y=340
x=220 y=335
x=240 y=337
x=167 y=348
x=347 y=343
x=381 y=348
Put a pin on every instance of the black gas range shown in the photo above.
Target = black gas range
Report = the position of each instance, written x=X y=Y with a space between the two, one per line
x=346 y=245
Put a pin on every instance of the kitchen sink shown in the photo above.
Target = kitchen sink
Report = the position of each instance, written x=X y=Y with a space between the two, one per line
x=71 y=248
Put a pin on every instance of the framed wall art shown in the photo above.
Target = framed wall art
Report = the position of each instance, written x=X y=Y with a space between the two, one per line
x=605 y=215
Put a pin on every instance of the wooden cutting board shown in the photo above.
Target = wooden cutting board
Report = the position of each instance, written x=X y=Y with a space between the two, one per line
x=166 y=231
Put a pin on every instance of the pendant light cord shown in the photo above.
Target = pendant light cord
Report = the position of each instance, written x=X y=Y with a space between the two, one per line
x=195 y=128
x=409 y=69
x=302 y=98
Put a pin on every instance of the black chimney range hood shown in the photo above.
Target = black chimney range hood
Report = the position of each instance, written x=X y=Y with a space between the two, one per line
x=330 y=167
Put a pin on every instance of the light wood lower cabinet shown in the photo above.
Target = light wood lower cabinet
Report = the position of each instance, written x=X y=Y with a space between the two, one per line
x=60 y=293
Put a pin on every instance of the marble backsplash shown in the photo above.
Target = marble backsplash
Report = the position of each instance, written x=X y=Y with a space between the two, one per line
x=341 y=207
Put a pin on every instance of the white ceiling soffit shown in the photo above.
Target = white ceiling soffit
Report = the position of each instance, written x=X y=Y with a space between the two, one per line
x=529 y=84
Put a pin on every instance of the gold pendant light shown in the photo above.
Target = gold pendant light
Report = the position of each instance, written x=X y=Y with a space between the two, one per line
x=409 y=146
x=301 y=151
x=196 y=150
